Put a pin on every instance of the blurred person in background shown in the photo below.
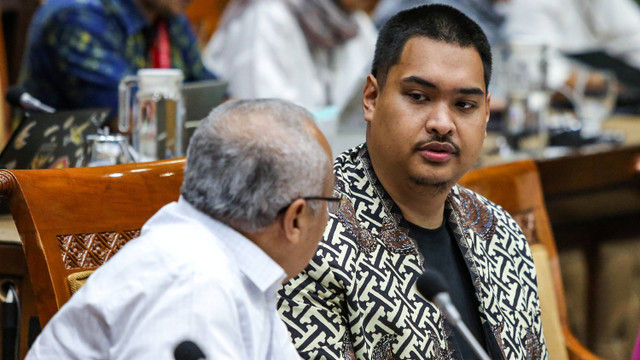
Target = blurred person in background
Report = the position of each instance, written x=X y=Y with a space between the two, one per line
x=564 y=26
x=484 y=12
x=311 y=52
x=79 y=50
x=576 y=26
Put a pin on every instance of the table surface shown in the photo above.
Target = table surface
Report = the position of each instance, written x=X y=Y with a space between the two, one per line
x=627 y=126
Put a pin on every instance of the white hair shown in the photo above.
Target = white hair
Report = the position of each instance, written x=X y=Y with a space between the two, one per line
x=250 y=158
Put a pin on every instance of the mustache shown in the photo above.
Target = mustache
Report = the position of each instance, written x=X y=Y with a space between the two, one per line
x=439 y=139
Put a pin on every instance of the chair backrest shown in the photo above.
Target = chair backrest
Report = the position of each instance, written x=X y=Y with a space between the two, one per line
x=517 y=188
x=74 y=220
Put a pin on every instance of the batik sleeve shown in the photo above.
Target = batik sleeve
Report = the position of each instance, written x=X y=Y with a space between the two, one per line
x=314 y=308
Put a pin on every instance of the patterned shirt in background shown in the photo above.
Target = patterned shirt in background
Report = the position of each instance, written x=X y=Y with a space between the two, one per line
x=78 y=50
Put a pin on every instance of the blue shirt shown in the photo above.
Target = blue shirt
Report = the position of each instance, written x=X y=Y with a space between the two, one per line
x=78 y=50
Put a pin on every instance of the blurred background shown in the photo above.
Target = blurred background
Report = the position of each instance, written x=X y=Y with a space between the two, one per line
x=565 y=92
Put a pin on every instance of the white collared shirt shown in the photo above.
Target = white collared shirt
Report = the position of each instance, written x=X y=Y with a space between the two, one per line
x=187 y=277
x=263 y=52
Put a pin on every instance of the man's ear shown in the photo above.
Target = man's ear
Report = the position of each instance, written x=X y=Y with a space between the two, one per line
x=488 y=115
x=370 y=97
x=292 y=221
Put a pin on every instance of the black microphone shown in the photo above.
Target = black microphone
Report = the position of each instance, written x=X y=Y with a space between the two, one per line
x=188 y=350
x=18 y=96
x=431 y=285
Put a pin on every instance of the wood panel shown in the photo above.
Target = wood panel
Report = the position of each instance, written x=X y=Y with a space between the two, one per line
x=16 y=15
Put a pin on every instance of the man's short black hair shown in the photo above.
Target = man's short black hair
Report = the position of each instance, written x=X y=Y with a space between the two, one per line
x=437 y=22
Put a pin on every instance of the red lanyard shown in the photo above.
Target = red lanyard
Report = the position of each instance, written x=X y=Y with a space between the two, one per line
x=161 y=49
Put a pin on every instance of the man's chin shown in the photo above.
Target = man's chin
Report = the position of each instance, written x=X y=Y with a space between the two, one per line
x=432 y=182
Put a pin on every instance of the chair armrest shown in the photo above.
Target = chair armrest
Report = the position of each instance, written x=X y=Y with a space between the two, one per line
x=576 y=350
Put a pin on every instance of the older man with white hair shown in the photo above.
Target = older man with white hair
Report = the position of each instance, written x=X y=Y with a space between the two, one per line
x=206 y=268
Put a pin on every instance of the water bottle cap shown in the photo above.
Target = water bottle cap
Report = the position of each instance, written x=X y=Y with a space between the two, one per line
x=167 y=82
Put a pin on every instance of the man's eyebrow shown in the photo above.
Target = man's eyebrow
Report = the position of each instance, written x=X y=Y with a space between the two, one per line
x=471 y=91
x=420 y=81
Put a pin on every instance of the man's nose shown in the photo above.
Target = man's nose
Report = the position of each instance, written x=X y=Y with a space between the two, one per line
x=439 y=120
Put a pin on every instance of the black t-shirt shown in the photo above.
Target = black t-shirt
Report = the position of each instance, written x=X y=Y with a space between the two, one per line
x=442 y=253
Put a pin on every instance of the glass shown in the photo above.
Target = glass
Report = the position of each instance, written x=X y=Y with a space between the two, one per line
x=525 y=86
x=594 y=103
x=333 y=202
x=103 y=150
x=156 y=121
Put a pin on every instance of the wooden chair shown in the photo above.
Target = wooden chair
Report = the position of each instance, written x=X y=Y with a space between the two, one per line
x=517 y=188
x=71 y=221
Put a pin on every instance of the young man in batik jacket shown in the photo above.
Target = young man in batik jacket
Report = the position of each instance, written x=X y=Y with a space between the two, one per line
x=426 y=105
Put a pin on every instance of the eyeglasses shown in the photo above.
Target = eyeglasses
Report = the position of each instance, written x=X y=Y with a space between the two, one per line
x=333 y=202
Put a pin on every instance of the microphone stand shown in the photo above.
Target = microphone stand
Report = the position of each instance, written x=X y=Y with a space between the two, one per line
x=443 y=300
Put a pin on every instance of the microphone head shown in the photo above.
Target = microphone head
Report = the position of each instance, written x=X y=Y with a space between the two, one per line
x=188 y=350
x=431 y=283
x=13 y=95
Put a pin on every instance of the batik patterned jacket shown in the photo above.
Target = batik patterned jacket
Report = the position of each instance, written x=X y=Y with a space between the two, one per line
x=357 y=299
